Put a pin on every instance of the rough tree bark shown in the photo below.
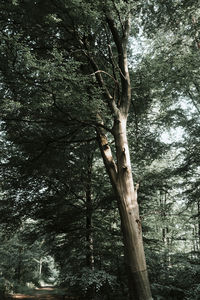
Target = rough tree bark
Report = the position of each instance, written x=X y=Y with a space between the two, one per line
x=121 y=178
x=120 y=172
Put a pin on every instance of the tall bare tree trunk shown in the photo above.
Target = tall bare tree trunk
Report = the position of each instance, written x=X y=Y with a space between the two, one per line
x=130 y=219
x=121 y=178
x=119 y=171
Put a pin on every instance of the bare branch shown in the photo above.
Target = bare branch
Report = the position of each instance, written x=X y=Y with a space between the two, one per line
x=121 y=44
x=111 y=101
x=101 y=71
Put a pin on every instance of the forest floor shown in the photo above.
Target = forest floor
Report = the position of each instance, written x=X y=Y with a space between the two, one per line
x=47 y=293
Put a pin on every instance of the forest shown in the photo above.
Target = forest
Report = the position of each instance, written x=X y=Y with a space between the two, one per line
x=100 y=149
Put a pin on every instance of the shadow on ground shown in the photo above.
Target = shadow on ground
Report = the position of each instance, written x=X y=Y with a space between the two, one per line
x=47 y=293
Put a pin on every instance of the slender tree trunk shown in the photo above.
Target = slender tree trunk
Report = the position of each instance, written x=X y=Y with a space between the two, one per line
x=89 y=235
x=40 y=268
x=165 y=229
x=198 y=210
x=18 y=270
x=89 y=239
x=194 y=240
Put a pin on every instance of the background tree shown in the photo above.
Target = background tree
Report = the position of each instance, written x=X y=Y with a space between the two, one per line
x=49 y=61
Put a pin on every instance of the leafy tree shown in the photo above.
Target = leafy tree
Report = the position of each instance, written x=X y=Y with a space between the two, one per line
x=49 y=79
x=21 y=263
x=66 y=82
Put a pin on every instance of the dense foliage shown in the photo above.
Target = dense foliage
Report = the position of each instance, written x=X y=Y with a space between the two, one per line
x=59 y=216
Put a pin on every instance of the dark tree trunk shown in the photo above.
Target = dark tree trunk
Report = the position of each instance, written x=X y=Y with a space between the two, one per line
x=198 y=210
x=89 y=234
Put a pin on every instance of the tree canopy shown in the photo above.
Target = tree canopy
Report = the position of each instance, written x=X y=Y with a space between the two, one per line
x=99 y=147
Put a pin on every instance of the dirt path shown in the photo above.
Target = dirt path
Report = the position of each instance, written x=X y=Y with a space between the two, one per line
x=43 y=294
